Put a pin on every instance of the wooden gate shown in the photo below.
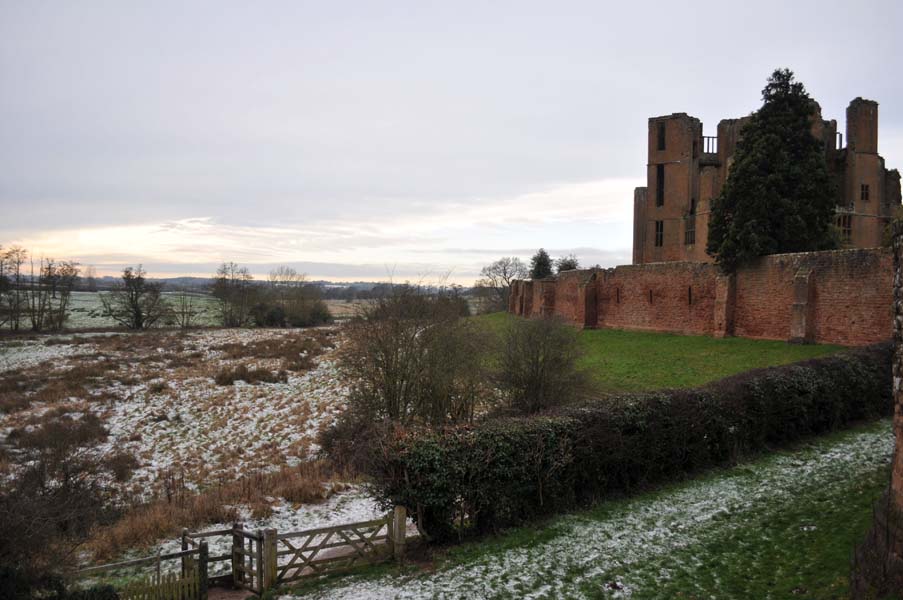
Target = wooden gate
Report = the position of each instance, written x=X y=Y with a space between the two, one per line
x=247 y=559
x=263 y=559
x=316 y=551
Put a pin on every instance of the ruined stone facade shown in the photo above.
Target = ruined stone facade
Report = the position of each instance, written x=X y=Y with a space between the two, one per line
x=686 y=169
x=841 y=297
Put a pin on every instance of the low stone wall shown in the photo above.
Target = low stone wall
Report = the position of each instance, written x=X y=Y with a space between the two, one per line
x=842 y=297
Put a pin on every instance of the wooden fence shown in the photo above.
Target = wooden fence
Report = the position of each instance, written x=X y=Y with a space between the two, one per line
x=263 y=559
x=189 y=583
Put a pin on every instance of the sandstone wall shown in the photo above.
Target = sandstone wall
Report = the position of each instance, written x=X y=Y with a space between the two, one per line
x=842 y=297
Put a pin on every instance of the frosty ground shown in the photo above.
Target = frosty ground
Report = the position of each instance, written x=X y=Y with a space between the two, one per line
x=156 y=395
x=781 y=526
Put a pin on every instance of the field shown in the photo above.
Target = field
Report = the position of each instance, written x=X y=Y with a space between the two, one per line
x=783 y=526
x=171 y=401
x=636 y=361
x=86 y=310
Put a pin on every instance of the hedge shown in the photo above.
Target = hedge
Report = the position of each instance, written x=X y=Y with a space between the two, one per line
x=506 y=471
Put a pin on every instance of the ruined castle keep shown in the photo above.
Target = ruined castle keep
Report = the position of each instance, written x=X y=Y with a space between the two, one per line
x=842 y=297
x=686 y=170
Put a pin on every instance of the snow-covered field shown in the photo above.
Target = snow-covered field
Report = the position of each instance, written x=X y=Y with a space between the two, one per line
x=163 y=406
x=159 y=402
x=626 y=550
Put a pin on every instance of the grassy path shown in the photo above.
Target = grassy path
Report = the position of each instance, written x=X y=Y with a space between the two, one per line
x=780 y=527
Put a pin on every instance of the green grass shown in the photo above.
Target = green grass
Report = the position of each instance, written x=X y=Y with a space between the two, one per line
x=781 y=526
x=636 y=361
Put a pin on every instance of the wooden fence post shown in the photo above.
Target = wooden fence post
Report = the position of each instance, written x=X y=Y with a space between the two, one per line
x=258 y=585
x=185 y=559
x=203 y=555
x=237 y=557
x=269 y=559
x=399 y=530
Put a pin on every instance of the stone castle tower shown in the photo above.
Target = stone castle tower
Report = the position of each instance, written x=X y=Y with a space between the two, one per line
x=686 y=169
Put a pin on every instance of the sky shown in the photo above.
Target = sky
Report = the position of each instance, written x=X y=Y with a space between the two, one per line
x=384 y=140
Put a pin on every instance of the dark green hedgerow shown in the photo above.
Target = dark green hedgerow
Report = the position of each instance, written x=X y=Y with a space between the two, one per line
x=506 y=471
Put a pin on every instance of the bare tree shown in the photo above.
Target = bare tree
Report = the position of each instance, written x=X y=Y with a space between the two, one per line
x=91 y=278
x=567 y=263
x=496 y=280
x=49 y=291
x=5 y=287
x=135 y=303
x=233 y=288
x=15 y=300
x=185 y=310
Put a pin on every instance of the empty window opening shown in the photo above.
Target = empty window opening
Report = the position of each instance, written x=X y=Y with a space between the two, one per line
x=650 y=296
x=845 y=224
x=659 y=185
x=661 y=136
x=864 y=192
x=690 y=295
x=617 y=295
x=659 y=233
x=690 y=231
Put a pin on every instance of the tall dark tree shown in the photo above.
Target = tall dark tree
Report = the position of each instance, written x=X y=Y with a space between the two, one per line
x=779 y=195
x=540 y=265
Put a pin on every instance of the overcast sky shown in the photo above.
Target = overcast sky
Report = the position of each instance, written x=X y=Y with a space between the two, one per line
x=361 y=140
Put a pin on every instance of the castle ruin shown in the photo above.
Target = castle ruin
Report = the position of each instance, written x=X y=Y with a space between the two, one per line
x=687 y=169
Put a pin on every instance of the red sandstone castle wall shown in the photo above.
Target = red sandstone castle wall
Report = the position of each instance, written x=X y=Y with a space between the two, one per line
x=842 y=297
x=675 y=297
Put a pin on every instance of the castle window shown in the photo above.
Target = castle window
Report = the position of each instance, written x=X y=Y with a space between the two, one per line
x=661 y=136
x=659 y=233
x=650 y=296
x=864 y=192
x=690 y=295
x=845 y=224
x=659 y=185
x=617 y=295
x=690 y=231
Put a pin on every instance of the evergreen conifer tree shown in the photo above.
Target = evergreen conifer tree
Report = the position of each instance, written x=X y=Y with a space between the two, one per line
x=779 y=195
x=540 y=265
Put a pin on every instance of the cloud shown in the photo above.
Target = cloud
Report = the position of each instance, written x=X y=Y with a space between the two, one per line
x=368 y=248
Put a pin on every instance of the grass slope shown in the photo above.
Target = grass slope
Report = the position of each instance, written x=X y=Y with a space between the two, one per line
x=636 y=361
x=782 y=526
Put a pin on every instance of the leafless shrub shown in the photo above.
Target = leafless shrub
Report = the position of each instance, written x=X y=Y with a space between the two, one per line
x=229 y=375
x=538 y=367
x=185 y=310
x=54 y=499
x=413 y=358
x=122 y=464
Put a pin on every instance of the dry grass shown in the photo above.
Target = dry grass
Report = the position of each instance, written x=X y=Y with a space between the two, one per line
x=295 y=351
x=178 y=507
